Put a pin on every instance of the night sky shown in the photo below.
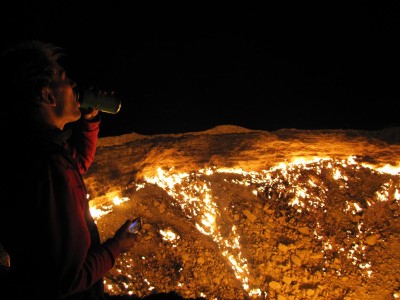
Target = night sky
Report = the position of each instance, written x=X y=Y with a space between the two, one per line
x=182 y=69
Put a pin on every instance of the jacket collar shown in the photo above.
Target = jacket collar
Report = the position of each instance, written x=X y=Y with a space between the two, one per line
x=45 y=133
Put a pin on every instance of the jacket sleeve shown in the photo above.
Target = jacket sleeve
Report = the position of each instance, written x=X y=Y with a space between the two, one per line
x=81 y=260
x=73 y=244
x=83 y=142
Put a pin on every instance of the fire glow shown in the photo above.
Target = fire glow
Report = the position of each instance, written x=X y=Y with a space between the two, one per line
x=297 y=182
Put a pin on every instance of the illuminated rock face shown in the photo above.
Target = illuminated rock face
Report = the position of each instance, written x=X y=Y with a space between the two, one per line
x=233 y=213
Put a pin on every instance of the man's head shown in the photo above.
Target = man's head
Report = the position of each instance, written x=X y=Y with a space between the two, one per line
x=34 y=81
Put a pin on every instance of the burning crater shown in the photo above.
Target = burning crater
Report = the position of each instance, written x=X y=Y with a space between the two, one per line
x=232 y=213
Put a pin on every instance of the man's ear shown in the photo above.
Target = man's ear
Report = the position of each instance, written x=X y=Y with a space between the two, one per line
x=48 y=97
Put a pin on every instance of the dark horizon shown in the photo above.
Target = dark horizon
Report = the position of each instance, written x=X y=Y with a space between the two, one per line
x=303 y=67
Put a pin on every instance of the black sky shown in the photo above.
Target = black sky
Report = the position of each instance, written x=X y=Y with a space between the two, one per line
x=180 y=69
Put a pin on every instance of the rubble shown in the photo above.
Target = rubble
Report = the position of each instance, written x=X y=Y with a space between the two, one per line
x=323 y=228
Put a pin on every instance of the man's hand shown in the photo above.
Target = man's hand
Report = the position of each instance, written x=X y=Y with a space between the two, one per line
x=126 y=240
x=89 y=113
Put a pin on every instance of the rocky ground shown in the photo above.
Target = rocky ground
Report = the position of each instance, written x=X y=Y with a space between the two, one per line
x=235 y=214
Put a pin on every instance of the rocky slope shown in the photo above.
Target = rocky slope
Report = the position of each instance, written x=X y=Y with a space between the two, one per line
x=232 y=213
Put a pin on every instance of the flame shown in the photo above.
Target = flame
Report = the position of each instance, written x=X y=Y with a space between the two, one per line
x=105 y=208
x=196 y=199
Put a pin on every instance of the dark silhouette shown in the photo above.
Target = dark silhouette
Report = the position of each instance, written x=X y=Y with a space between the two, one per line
x=45 y=223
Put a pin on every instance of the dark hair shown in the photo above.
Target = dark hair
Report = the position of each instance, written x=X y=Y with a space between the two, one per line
x=25 y=70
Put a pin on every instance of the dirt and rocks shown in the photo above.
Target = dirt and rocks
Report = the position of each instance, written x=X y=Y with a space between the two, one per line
x=236 y=214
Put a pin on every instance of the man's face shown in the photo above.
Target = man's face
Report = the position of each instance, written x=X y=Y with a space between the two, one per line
x=62 y=87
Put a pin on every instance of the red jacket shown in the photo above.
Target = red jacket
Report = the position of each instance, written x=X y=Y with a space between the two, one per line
x=45 y=222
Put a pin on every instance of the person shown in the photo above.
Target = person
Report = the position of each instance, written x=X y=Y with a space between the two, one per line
x=49 y=142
